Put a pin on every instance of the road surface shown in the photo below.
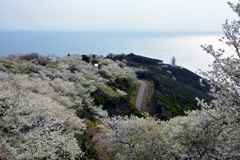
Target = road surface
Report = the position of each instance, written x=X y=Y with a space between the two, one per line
x=140 y=96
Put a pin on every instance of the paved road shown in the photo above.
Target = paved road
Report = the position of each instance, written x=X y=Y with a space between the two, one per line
x=140 y=95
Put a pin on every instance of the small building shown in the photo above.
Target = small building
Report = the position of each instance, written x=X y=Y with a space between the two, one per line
x=96 y=65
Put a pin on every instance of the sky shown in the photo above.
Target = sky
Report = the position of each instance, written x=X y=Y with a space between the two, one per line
x=149 y=15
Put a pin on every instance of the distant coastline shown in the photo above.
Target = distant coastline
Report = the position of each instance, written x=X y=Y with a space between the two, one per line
x=184 y=46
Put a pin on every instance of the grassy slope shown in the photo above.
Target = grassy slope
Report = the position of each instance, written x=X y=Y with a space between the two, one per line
x=171 y=91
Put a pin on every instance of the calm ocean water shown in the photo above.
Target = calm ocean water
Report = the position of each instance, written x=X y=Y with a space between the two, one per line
x=184 y=46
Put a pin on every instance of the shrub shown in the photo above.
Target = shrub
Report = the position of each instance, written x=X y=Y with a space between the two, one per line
x=29 y=57
x=94 y=61
x=86 y=58
x=44 y=60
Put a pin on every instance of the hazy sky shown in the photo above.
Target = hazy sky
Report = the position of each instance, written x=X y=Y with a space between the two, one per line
x=156 y=15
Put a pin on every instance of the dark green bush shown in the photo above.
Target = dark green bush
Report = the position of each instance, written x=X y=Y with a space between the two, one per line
x=114 y=88
x=94 y=61
x=110 y=102
x=98 y=101
x=86 y=58
x=164 y=117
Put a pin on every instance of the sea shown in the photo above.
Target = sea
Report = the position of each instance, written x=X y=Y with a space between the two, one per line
x=184 y=46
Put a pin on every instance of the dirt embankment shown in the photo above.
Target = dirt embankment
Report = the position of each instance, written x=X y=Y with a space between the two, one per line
x=147 y=105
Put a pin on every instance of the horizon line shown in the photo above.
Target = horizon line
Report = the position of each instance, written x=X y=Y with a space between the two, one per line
x=118 y=30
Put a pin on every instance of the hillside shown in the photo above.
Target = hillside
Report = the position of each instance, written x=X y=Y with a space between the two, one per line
x=74 y=82
x=174 y=88
x=74 y=86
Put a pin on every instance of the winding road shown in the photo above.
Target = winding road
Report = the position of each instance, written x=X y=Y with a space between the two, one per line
x=140 y=96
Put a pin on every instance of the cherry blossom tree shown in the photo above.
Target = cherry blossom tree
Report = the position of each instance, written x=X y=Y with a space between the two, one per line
x=129 y=137
x=225 y=82
x=196 y=136
x=34 y=125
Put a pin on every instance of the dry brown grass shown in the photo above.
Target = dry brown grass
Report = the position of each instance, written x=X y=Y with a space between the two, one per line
x=146 y=107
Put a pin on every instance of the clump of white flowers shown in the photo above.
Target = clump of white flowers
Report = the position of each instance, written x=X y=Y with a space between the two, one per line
x=196 y=136
x=107 y=90
x=34 y=125
x=112 y=71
